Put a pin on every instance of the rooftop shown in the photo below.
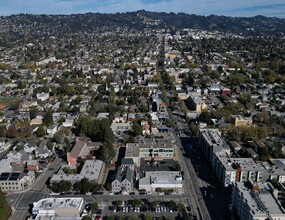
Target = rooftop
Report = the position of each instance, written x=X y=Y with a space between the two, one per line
x=214 y=139
x=90 y=170
x=132 y=149
x=161 y=177
x=58 y=203
x=246 y=164
x=261 y=201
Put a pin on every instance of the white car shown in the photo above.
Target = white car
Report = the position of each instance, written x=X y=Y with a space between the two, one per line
x=88 y=193
x=161 y=193
x=54 y=194
x=148 y=193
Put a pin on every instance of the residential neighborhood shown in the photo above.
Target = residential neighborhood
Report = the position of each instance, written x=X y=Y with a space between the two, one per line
x=144 y=120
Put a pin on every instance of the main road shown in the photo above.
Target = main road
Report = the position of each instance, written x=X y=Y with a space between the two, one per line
x=193 y=185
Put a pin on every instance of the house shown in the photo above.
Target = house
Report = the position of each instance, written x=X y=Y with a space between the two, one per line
x=226 y=91
x=32 y=165
x=4 y=146
x=214 y=89
x=102 y=115
x=119 y=128
x=118 y=118
x=42 y=151
x=240 y=120
x=43 y=96
x=30 y=146
x=37 y=121
x=145 y=127
x=28 y=104
x=123 y=181
x=196 y=103
x=51 y=130
x=128 y=162
x=68 y=122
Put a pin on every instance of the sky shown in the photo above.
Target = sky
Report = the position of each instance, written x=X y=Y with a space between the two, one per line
x=247 y=8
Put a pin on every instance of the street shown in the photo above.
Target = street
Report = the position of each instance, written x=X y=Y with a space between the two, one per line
x=209 y=198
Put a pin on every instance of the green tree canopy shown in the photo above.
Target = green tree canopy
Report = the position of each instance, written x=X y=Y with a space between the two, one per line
x=48 y=119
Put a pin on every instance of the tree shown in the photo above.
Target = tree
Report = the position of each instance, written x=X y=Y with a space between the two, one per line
x=245 y=99
x=136 y=129
x=5 y=208
x=172 y=205
x=67 y=145
x=137 y=202
x=40 y=131
x=3 y=131
x=33 y=113
x=119 y=202
x=108 y=186
x=158 y=190
x=181 y=207
x=67 y=89
x=206 y=117
x=48 y=119
x=94 y=207
x=154 y=204
x=86 y=186
x=11 y=132
x=77 y=186
x=24 y=128
x=86 y=218
x=147 y=216
x=65 y=186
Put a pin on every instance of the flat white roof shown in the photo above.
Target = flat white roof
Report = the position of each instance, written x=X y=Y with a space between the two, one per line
x=58 y=203
x=161 y=178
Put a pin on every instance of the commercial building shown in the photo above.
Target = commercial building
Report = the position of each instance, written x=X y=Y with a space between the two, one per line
x=230 y=170
x=16 y=181
x=92 y=170
x=211 y=141
x=256 y=201
x=276 y=170
x=147 y=148
x=161 y=179
x=226 y=168
x=58 y=208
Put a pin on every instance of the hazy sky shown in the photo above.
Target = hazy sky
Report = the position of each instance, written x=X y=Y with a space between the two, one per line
x=273 y=8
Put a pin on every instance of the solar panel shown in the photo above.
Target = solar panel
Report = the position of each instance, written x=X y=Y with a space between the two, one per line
x=4 y=176
x=14 y=176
